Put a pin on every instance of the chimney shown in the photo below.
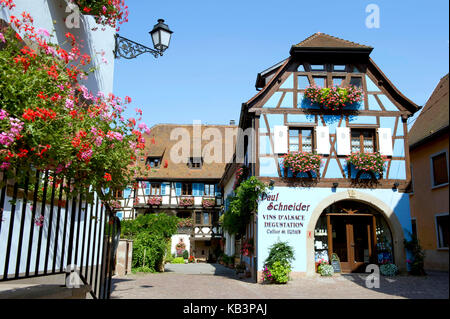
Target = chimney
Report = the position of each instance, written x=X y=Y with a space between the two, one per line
x=232 y=122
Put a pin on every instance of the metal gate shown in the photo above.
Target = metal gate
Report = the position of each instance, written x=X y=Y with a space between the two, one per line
x=45 y=230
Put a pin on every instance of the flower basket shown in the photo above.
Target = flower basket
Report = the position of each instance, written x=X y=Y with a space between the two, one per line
x=335 y=98
x=302 y=162
x=186 y=201
x=155 y=200
x=371 y=163
x=325 y=270
x=185 y=223
x=208 y=202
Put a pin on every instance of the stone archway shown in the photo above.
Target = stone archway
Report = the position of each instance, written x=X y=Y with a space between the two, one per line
x=383 y=208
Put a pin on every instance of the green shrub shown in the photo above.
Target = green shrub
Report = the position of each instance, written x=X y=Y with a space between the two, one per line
x=280 y=272
x=418 y=255
x=325 y=270
x=141 y=269
x=178 y=260
x=185 y=254
x=281 y=252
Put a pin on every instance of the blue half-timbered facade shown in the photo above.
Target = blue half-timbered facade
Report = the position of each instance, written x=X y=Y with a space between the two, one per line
x=339 y=211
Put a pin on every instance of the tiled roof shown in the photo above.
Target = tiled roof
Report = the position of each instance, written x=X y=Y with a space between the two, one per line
x=322 y=40
x=434 y=116
x=158 y=144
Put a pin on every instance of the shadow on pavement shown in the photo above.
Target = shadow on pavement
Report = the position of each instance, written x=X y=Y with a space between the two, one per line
x=432 y=286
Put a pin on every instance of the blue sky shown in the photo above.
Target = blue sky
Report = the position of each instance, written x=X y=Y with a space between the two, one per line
x=218 y=47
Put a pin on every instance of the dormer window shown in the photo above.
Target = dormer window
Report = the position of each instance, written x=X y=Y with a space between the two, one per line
x=195 y=162
x=153 y=162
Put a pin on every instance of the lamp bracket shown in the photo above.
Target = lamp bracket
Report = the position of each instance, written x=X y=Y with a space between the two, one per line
x=129 y=49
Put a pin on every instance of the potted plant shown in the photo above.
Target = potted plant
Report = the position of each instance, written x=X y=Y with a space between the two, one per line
x=325 y=269
x=371 y=163
x=247 y=247
x=388 y=270
x=302 y=162
x=335 y=98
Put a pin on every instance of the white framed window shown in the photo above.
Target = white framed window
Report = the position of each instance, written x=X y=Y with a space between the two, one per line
x=439 y=169
x=442 y=231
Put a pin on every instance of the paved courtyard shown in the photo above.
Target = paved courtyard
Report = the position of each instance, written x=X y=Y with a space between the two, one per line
x=205 y=281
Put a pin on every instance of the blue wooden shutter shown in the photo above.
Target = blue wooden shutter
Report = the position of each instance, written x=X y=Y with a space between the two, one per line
x=218 y=193
x=147 y=188
x=163 y=189
x=195 y=189
x=201 y=189
x=127 y=193
x=178 y=189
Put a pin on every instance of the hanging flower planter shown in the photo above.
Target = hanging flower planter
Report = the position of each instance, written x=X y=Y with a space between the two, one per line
x=155 y=200
x=335 y=98
x=208 y=202
x=247 y=248
x=186 y=201
x=302 y=162
x=370 y=163
x=106 y=12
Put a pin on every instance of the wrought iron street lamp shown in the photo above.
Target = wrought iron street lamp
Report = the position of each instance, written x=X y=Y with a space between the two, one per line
x=128 y=49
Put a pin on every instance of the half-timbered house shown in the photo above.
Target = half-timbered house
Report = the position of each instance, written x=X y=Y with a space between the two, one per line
x=182 y=184
x=340 y=210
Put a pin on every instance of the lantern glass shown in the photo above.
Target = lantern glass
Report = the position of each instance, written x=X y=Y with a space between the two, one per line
x=161 y=35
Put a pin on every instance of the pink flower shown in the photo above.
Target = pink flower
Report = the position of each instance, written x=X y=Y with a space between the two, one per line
x=43 y=32
x=2 y=38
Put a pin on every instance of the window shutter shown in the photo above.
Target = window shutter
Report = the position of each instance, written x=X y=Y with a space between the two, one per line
x=385 y=141
x=280 y=139
x=323 y=140
x=127 y=193
x=343 y=141
x=201 y=189
x=218 y=193
x=147 y=188
x=178 y=189
x=163 y=188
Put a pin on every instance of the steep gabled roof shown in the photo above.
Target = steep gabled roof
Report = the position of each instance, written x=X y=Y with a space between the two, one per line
x=158 y=144
x=434 y=117
x=322 y=40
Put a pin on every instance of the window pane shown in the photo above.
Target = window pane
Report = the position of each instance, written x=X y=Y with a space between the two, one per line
x=442 y=222
x=356 y=81
x=303 y=82
x=320 y=81
x=293 y=148
x=306 y=140
x=293 y=132
x=440 y=169
x=317 y=67
x=356 y=144
x=293 y=140
x=368 y=145
x=337 y=81
x=198 y=218
x=205 y=218
x=339 y=67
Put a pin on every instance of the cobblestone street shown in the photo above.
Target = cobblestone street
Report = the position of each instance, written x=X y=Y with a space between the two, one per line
x=202 y=281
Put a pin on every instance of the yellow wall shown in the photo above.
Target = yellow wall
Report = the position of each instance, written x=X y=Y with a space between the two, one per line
x=427 y=202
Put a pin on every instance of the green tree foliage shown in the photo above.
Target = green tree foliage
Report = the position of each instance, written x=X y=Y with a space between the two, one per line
x=242 y=205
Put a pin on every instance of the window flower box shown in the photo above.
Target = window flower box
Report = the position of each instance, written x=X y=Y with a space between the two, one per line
x=302 y=162
x=208 y=202
x=185 y=223
x=367 y=163
x=186 y=201
x=335 y=98
x=155 y=200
